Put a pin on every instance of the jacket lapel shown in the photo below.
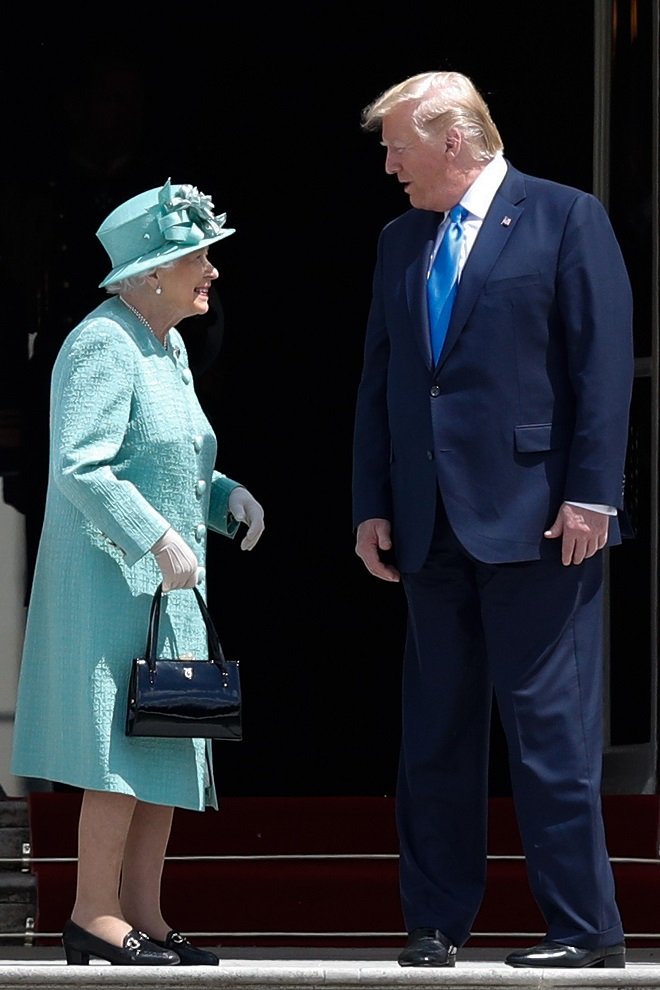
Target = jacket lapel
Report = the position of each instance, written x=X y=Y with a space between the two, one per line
x=498 y=226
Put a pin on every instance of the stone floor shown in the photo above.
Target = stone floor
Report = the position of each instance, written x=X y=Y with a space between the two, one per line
x=311 y=968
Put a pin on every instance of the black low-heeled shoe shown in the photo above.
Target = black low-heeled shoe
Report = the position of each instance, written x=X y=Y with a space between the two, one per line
x=189 y=954
x=137 y=949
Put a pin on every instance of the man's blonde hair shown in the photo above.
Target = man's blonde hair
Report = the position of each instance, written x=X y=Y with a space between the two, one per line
x=441 y=100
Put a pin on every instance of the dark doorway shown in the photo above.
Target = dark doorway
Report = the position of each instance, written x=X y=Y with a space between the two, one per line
x=263 y=113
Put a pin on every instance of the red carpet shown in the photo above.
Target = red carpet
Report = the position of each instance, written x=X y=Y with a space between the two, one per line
x=331 y=888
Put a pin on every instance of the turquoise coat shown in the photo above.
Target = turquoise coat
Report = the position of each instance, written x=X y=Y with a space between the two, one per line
x=132 y=454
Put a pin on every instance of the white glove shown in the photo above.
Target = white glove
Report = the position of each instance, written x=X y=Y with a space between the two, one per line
x=245 y=508
x=177 y=562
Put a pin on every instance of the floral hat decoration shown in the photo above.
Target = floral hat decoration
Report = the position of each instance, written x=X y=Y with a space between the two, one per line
x=159 y=226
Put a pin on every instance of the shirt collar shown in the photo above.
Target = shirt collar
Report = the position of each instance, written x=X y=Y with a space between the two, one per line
x=482 y=191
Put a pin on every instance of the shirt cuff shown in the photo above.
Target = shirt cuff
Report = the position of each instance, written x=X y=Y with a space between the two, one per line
x=609 y=510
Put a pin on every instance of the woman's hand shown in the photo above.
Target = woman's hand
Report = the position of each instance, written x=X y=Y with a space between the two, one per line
x=244 y=508
x=177 y=562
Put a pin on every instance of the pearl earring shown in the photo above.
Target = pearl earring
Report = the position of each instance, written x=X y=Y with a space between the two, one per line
x=158 y=290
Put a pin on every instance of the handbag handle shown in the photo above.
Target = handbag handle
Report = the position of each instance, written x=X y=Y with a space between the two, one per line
x=215 y=650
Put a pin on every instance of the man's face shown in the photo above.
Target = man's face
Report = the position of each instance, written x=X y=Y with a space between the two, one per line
x=420 y=164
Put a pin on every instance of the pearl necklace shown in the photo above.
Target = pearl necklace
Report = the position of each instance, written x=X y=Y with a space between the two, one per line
x=144 y=321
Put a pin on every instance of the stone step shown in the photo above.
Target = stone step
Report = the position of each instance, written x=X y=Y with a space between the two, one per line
x=18 y=885
x=318 y=969
x=18 y=907
x=14 y=834
x=14 y=848
x=13 y=812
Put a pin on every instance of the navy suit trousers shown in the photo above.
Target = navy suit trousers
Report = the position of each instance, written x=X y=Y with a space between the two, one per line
x=532 y=632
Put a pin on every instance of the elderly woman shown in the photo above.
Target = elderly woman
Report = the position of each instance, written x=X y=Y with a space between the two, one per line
x=132 y=491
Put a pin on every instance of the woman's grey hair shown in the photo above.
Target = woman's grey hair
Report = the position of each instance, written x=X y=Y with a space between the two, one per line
x=135 y=281
x=440 y=100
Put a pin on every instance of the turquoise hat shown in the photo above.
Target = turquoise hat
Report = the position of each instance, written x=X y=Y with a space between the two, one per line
x=159 y=226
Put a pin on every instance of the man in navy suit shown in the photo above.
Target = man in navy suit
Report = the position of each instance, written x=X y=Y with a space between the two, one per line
x=488 y=482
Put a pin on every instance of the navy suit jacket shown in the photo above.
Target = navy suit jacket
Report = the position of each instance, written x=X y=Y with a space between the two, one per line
x=528 y=405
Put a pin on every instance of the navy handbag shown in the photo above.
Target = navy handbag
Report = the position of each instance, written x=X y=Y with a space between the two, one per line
x=189 y=698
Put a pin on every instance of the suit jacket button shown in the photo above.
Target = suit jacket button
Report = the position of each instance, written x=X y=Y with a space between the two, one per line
x=435 y=390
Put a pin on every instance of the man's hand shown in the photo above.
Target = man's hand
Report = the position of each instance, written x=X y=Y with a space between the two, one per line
x=583 y=532
x=374 y=536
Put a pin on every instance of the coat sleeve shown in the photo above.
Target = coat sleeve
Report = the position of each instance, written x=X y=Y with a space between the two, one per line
x=595 y=300
x=92 y=389
x=220 y=518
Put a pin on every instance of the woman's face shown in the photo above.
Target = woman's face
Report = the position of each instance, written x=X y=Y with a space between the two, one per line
x=185 y=285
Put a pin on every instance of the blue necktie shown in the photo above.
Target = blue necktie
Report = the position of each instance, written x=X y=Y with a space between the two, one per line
x=443 y=279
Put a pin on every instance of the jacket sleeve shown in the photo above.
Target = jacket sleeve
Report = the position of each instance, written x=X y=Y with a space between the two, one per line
x=92 y=388
x=595 y=300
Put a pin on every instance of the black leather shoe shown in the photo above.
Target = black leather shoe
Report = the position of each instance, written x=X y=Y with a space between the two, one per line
x=427 y=947
x=189 y=954
x=137 y=949
x=557 y=954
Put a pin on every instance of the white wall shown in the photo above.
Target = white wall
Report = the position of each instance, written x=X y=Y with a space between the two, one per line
x=12 y=624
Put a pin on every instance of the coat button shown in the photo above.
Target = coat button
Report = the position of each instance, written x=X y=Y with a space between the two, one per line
x=200 y=532
x=197 y=442
x=435 y=390
x=186 y=376
x=200 y=487
x=201 y=575
x=429 y=455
